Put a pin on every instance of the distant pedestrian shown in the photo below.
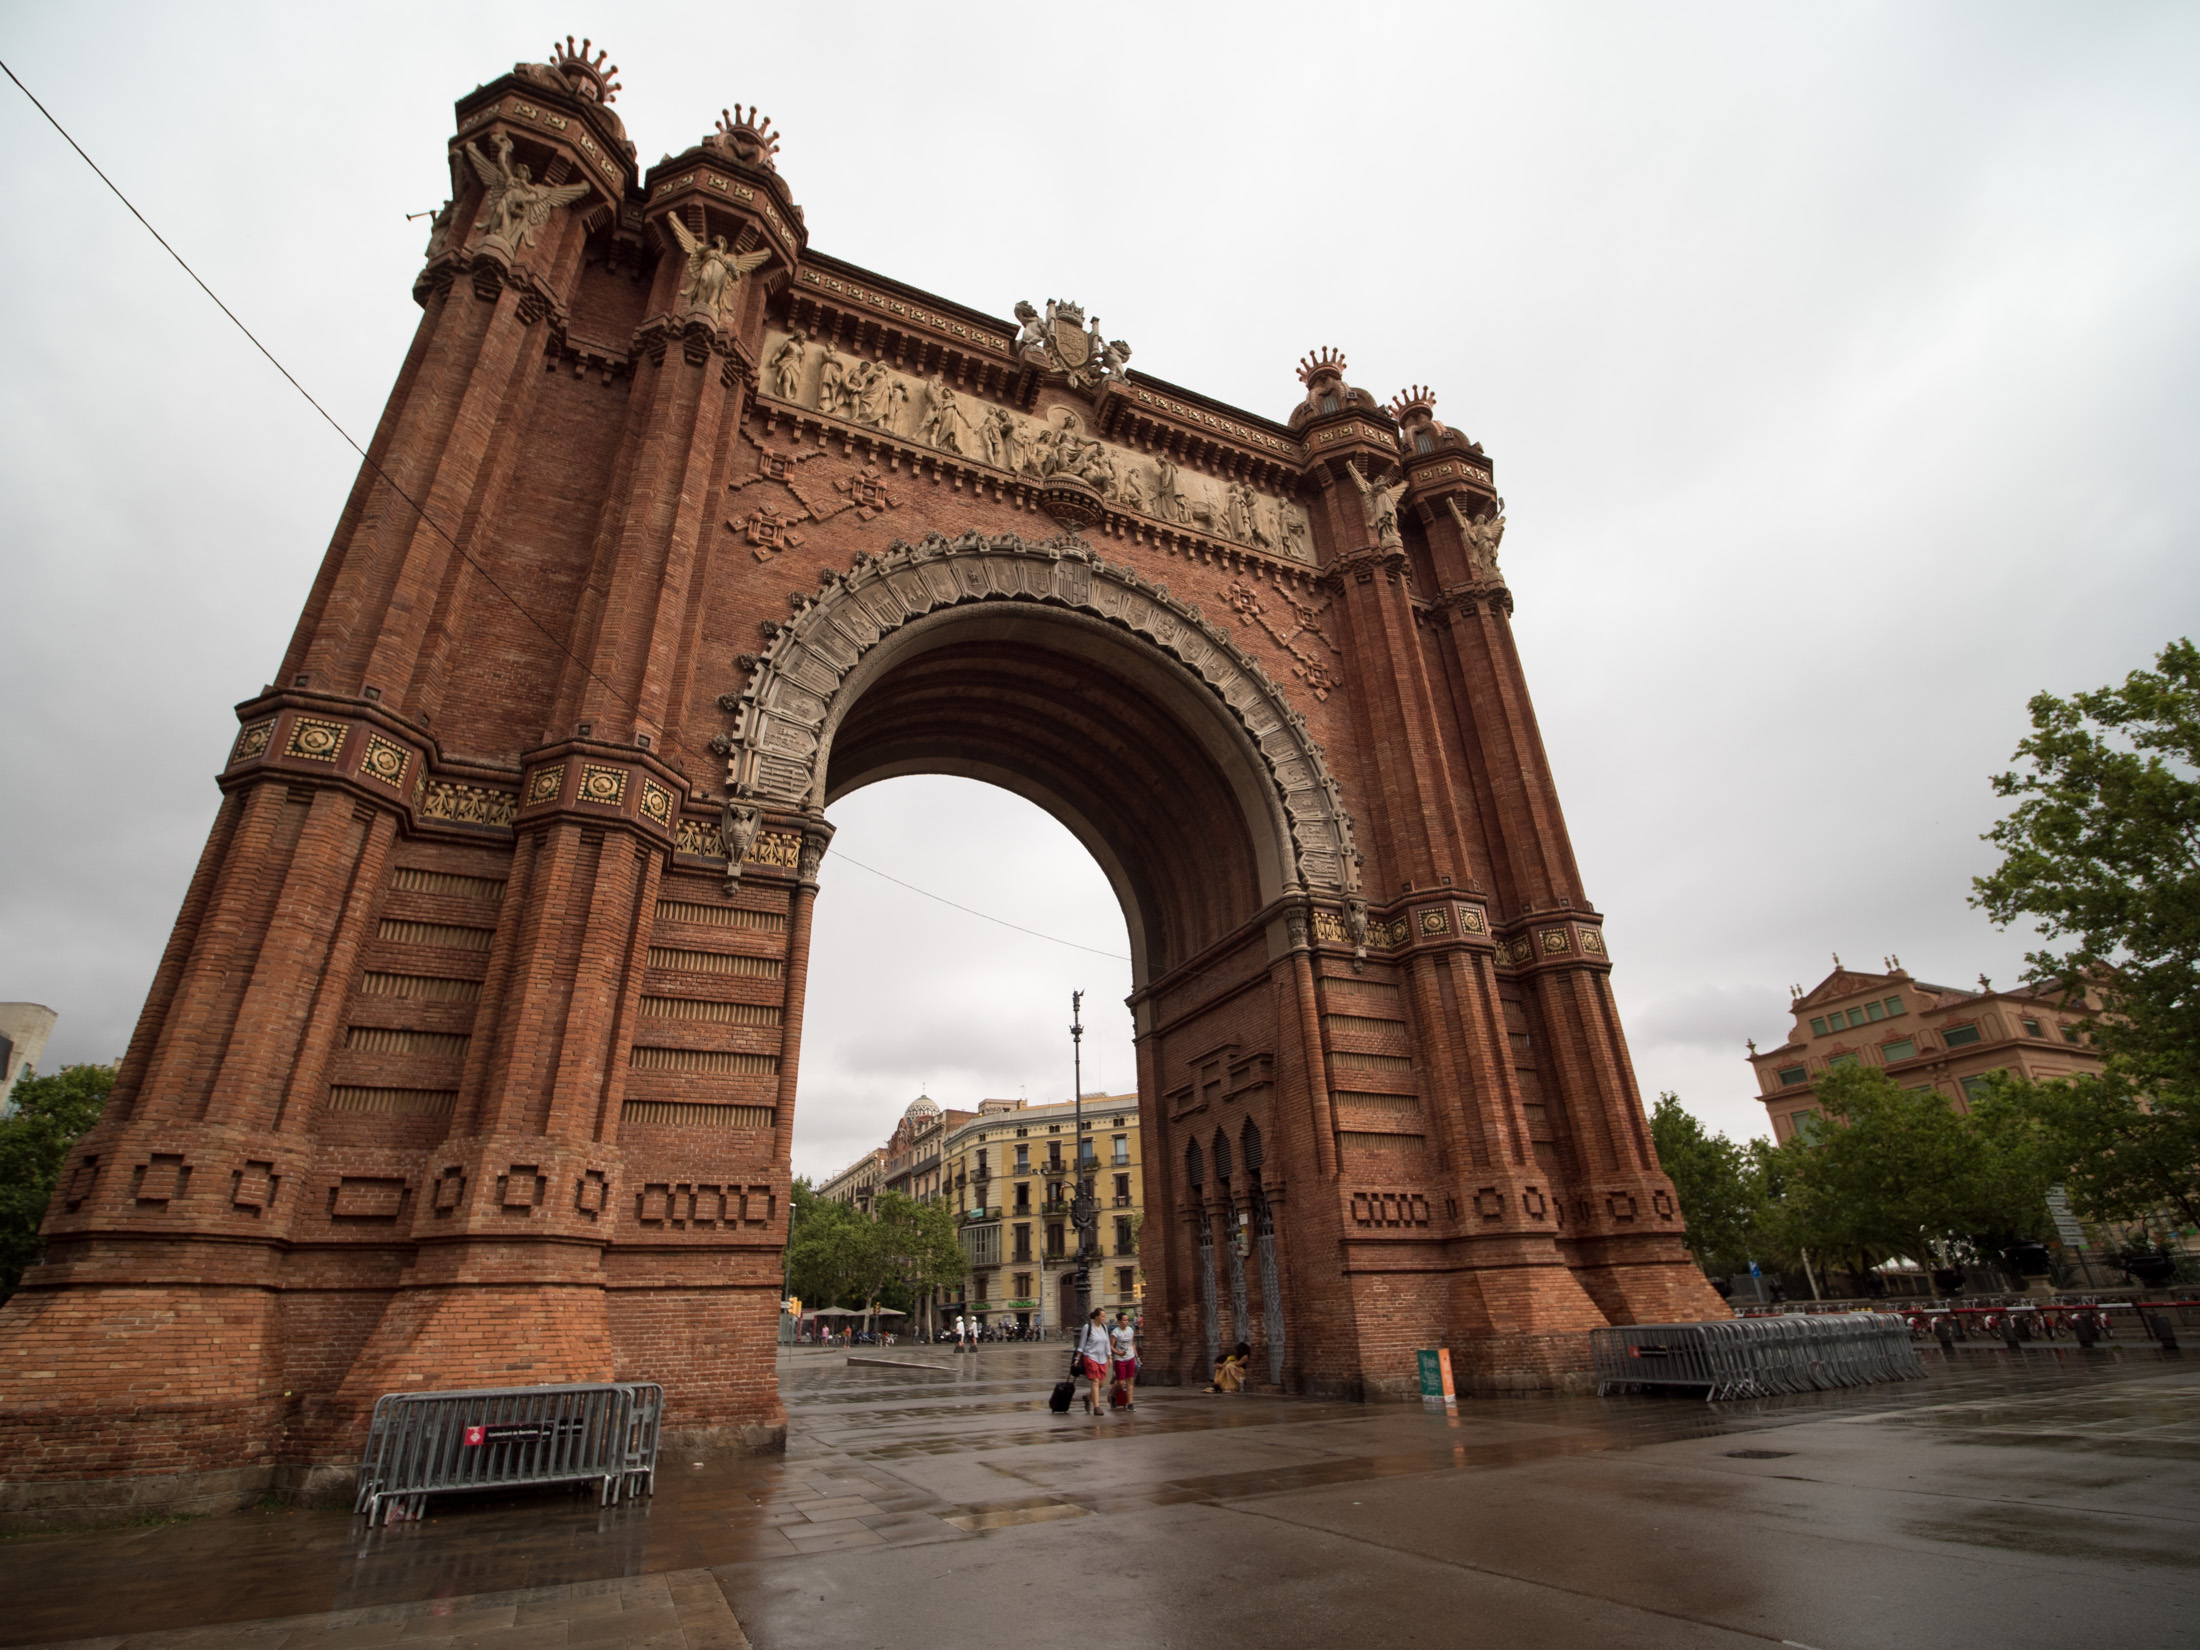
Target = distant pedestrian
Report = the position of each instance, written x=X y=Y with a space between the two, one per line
x=962 y=1331
x=1124 y=1340
x=1094 y=1354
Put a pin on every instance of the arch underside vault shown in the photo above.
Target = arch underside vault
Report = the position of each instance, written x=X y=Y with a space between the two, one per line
x=894 y=608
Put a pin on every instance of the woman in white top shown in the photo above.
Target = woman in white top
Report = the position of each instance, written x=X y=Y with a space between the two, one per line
x=1093 y=1357
x=1125 y=1343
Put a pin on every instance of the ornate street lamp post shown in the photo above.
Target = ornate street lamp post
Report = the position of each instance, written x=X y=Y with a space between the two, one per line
x=1084 y=1207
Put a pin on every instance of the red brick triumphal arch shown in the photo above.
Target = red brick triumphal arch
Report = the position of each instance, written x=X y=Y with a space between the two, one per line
x=473 y=1058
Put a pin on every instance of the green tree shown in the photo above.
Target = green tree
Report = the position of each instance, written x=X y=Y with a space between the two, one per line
x=2102 y=854
x=2124 y=1158
x=830 y=1246
x=918 y=1248
x=1715 y=1181
x=51 y=1112
x=1899 y=1174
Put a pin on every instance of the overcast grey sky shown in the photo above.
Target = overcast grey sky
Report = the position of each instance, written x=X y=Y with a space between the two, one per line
x=1838 y=364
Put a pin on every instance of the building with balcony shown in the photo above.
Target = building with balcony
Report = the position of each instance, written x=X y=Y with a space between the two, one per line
x=1926 y=1036
x=1011 y=1171
x=859 y=1182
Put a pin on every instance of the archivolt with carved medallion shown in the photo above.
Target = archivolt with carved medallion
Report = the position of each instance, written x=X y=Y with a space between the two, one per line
x=783 y=716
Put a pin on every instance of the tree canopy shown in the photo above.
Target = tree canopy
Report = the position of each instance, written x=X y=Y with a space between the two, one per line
x=839 y=1256
x=1903 y=1175
x=51 y=1112
x=1719 y=1195
x=1896 y=1174
x=2102 y=855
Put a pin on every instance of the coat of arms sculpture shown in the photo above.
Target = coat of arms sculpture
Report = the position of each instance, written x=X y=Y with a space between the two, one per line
x=1062 y=341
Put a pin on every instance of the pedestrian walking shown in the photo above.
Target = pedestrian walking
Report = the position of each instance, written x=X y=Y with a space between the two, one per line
x=1094 y=1354
x=1124 y=1340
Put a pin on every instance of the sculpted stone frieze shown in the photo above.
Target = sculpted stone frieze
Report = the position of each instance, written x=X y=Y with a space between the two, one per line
x=774 y=748
x=814 y=374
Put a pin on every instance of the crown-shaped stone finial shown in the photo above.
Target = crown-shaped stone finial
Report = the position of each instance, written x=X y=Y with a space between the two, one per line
x=1323 y=360
x=589 y=76
x=749 y=134
x=1418 y=399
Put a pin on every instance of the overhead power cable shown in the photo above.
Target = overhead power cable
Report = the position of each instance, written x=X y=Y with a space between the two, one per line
x=986 y=915
x=436 y=527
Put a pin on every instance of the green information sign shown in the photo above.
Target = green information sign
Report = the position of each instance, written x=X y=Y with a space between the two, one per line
x=1435 y=1365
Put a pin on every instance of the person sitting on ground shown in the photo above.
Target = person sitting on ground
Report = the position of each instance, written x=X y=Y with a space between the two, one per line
x=1230 y=1372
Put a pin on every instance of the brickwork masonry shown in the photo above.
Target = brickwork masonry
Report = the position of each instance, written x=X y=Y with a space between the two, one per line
x=474 y=1058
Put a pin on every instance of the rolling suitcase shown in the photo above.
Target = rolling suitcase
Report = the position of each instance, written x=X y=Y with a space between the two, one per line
x=1064 y=1391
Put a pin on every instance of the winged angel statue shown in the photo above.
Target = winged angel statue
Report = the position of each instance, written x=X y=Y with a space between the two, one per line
x=714 y=270
x=517 y=204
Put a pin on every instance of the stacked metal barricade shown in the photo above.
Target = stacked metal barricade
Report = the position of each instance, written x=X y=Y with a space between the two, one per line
x=1756 y=1357
x=426 y=1443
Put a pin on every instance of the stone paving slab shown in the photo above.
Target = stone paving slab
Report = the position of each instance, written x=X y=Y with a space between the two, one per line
x=683 y=1610
x=1985 y=1497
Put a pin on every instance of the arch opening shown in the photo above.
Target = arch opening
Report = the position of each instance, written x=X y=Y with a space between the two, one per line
x=1090 y=726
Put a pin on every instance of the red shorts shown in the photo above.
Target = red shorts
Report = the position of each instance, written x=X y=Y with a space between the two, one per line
x=1093 y=1370
x=1126 y=1369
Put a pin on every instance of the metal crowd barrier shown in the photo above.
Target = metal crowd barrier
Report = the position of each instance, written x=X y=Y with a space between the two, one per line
x=424 y=1443
x=1756 y=1357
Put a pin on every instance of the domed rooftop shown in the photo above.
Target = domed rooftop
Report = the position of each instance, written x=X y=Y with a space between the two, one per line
x=923 y=1106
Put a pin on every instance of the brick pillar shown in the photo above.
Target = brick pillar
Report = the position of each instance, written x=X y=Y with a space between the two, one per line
x=1587 y=1138
x=1483 y=1264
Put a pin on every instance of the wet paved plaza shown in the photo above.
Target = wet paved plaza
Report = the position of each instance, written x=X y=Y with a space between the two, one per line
x=2045 y=1497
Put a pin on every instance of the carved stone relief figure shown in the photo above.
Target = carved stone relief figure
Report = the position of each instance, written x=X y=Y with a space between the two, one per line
x=517 y=205
x=897 y=397
x=995 y=430
x=1015 y=446
x=1237 y=515
x=1099 y=469
x=1267 y=525
x=714 y=272
x=1029 y=336
x=1379 y=500
x=786 y=367
x=941 y=426
x=1168 y=498
x=738 y=823
x=1482 y=536
x=832 y=373
x=1064 y=448
x=867 y=385
x=439 y=231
